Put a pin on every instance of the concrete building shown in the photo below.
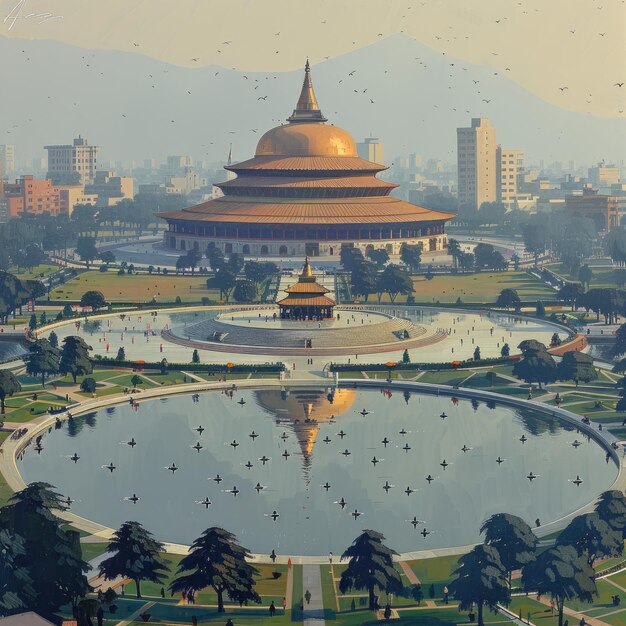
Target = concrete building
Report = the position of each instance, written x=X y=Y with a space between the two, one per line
x=604 y=175
x=177 y=163
x=187 y=182
x=28 y=195
x=476 y=161
x=3 y=204
x=602 y=209
x=7 y=157
x=71 y=195
x=110 y=188
x=509 y=173
x=371 y=149
x=73 y=164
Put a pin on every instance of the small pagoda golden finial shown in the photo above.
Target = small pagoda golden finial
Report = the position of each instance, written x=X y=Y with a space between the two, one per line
x=307 y=109
x=306 y=270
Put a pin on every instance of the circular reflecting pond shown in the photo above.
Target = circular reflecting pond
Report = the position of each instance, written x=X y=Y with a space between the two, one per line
x=302 y=452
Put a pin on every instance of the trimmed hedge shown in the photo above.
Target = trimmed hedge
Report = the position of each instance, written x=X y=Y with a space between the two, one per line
x=381 y=367
x=194 y=367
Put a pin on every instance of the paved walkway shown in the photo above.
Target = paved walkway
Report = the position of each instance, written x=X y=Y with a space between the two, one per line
x=313 y=614
x=131 y=618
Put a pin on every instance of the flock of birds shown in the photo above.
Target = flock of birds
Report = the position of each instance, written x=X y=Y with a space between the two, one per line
x=264 y=459
x=351 y=79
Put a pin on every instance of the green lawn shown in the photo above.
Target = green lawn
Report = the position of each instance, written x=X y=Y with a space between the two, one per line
x=39 y=271
x=136 y=287
x=92 y=550
x=477 y=288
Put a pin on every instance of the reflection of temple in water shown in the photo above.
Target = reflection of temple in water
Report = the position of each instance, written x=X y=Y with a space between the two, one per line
x=301 y=411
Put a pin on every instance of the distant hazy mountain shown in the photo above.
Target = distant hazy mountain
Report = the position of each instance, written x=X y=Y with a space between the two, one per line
x=126 y=103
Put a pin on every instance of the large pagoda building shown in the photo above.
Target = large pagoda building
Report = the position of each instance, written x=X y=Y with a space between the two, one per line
x=307 y=299
x=305 y=192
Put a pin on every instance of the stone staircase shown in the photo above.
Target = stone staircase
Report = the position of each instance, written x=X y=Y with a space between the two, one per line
x=389 y=331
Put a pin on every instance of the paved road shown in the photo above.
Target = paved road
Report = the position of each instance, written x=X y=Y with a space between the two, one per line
x=313 y=614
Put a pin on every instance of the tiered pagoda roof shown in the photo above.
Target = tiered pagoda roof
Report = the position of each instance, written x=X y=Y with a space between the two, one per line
x=306 y=292
x=306 y=172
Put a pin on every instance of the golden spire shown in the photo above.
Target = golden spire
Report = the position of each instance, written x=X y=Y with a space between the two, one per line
x=306 y=270
x=307 y=109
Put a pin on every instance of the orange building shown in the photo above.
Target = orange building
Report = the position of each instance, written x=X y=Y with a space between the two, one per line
x=28 y=195
x=305 y=192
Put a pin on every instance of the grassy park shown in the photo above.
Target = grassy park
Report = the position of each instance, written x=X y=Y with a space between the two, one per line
x=138 y=288
x=481 y=288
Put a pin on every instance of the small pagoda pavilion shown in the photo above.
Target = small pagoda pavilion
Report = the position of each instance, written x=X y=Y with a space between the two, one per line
x=307 y=299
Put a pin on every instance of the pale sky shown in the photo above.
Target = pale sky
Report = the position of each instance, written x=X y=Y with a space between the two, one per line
x=546 y=45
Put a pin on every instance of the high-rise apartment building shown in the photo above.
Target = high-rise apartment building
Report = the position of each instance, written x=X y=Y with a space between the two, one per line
x=476 y=159
x=177 y=163
x=74 y=164
x=371 y=149
x=7 y=156
x=509 y=173
x=603 y=175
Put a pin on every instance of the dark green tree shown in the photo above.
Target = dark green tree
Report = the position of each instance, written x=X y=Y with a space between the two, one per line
x=195 y=356
x=135 y=554
x=505 y=351
x=619 y=347
x=94 y=299
x=216 y=560
x=245 y=291
x=561 y=573
x=16 y=585
x=508 y=299
x=9 y=385
x=107 y=257
x=611 y=507
x=406 y=358
x=592 y=537
x=537 y=364
x=585 y=274
x=513 y=539
x=46 y=540
x=136 y=380
x=363 y=279
x=259 y=271
x=481 y=580
x=477 y=353
x=370 y=566
x=378 y=256
x=540 y=309
x=570 y=293
x=42 y=360
x=121 y=354
x=86 y=249
x=577 y=366
x=454 y=250
x=75 y=359
x=535 y=239
x=88 y=385
x=411 y=255
x=53 y=339
x=224 y=280
x=394 y=280
x=348 y=257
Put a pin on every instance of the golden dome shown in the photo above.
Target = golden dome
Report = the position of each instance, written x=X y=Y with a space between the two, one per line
x=306 y=135
x=305 y=139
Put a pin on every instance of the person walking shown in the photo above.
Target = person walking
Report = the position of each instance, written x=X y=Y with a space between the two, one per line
x=272 y=609
x=307 y=596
